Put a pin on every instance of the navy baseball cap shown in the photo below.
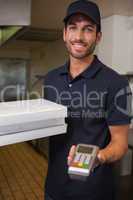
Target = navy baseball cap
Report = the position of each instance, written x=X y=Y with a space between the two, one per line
x=84 y=7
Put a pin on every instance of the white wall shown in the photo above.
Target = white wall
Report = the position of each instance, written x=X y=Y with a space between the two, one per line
x=122 y=46
x=105 y=47
x=116 y=47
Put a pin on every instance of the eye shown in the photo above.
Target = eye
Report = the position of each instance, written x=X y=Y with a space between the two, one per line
x=88 y=29
x=72 y=27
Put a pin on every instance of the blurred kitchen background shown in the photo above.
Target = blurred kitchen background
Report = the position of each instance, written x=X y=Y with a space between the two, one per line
x=31 y=44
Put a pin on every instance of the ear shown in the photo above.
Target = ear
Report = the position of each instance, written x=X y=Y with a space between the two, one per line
x=64 y=34
x=99 y=36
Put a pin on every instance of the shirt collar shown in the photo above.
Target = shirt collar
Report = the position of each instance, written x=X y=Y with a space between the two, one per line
x=88 y=73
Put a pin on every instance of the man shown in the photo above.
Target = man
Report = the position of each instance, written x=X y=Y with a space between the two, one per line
x=97 y=109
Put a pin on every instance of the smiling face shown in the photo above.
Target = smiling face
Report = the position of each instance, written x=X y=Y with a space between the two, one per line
x=80 y=36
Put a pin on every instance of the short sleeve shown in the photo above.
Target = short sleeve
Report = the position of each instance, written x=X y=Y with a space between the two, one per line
x=119 y=103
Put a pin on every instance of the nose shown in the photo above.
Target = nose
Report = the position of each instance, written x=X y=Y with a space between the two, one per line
x=79 y=35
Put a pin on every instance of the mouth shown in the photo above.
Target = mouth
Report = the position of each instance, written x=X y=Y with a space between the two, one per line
x=78 y=46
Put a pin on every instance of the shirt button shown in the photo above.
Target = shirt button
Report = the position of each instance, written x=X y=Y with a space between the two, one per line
x=70 y=85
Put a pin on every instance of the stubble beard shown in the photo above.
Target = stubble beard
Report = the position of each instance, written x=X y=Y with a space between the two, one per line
x=83 y=55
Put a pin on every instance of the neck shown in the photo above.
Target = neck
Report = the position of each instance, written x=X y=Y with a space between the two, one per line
x=77 y=66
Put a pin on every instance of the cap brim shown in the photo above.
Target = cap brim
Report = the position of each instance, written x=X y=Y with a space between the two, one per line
x=80 y=12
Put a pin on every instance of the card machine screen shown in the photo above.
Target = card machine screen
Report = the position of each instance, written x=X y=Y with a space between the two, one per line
x=83 y=149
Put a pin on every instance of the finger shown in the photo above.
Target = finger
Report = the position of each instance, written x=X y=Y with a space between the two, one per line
x=101 y=157
x=96 y=164
x=71 y=154
x=72 y=151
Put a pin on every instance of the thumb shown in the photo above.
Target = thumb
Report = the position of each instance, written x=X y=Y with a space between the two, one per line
x=101 y=157
x=71 y=154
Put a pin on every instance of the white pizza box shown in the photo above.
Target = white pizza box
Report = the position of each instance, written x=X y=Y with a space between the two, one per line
x=30 y=119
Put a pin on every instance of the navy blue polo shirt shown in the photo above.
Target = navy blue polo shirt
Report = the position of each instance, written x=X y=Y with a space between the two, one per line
x=96 y=99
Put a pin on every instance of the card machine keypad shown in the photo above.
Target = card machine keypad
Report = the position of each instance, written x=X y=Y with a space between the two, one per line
x=81 y=161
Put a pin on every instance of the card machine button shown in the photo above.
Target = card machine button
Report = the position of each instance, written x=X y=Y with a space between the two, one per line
x=87 y=160
x=74 y=164
x=80 y=164
x=77 y=157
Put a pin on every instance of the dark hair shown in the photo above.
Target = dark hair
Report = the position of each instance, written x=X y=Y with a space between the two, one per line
x=98 y=27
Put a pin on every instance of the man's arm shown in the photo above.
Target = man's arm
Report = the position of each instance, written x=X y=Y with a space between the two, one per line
x=115 y=150
x=118 y=145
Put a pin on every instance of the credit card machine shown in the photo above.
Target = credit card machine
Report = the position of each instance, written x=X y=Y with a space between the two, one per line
x=83 y=161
